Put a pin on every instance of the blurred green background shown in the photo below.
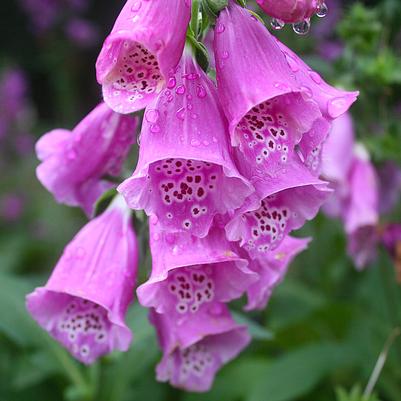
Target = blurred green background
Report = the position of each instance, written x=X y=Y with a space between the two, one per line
x=326 y=325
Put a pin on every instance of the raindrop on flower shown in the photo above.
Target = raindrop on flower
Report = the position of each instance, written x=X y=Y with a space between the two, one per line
x=301 y=28
x=277 y=24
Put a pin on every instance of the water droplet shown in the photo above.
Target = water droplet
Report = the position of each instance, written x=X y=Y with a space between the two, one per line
x=195 y=142
x=200 y=91
x=190 y=106
x=194 y=116
x=156 y=236
x=220 y=28
x=301 y=28
x=277 y=24
x=189 y=96
x=80 y=253
x=171 y=83
x=336 y=107
x=315 y=77
x=152 y=116
x=136 y=6
x=282 y=86
x=292 y=63
x=155 y=128
x=181 y=113
x=206 y=143
x=306 y=92
x=214 y=139
x=154 y=220
x=322 y=10
x=180 y=90
x=225 y=55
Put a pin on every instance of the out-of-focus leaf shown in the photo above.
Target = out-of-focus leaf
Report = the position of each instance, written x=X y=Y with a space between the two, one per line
x=298 y=372
x=257 y=331
x=104 y=201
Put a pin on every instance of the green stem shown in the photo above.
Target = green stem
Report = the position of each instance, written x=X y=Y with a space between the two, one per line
x=194 y=24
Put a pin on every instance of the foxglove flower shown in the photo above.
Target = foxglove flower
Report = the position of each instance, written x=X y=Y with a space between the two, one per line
x=390 y=186
x=74 y=162
x=189 y=273
x=145 y=44
x=261 y=227
x=83 y=304
x=290 y=11
x=191 y=363
x=185 y=173
x=267 y=109
x=392 y=240
x=272 y=268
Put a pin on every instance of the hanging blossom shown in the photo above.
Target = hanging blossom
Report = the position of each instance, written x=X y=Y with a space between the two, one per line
x=83 y=305
x=191 y=359
x=142 y=48
x=185 y=173
x=270 y=115
x=191 y=274
x=356 y=190
x=75 y=162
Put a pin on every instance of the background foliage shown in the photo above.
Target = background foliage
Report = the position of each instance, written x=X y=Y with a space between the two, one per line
x=326 y=325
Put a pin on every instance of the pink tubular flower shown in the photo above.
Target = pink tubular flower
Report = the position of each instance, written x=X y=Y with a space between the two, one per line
x=272 y=269
x=261 y=227
x=145 y=44
x=73 y=163
x=261 y=99
x=83 y=304
x=290 y=11
x=189 y=273
x=185 y=174
x=192 y=362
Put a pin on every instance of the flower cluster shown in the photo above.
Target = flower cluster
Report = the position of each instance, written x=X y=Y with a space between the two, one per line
x=227 y=169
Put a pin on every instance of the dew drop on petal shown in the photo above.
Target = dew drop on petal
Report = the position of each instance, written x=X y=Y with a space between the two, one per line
x=336 y=107
x=301 y=28
x=277 y=24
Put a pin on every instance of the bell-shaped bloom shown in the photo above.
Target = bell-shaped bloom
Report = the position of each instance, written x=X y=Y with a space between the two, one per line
x=272 y=268
x=83 y=304
x=262 y=225
x=332 y=102
x=190 y=363
x=185 y=173
x=145 y=44
x=189 y=273
x=261 y=99
x=290 y=11
x=74 y=162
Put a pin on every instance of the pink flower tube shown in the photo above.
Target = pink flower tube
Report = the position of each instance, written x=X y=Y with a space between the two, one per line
x=192 y=362
x=145 y=44
x=185 y=173
x=74 y=162
x=189 y=273
x=83 y=305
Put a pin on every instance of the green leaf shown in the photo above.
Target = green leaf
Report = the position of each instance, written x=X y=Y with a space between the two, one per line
x=298 y=372
x=215 y=6
x=104 y=201
x=257 y=331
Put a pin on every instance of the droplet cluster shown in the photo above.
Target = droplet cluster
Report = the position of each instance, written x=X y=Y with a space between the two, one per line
x=137 y=72
x=186 y=189
x=264 y=134
x=195 y=360
x=191 y=287
x=83 y=327
x=267 y=227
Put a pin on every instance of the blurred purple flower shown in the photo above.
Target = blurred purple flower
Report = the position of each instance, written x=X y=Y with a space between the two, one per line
x=11 y=207
x=390 y=186
x=83 y=33
x=42 y=13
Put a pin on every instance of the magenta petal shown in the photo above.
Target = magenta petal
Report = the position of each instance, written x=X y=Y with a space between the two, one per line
x=332 y=102
x=362 y=205
x=266 y=81
x=83 y=304
x=185 y=173
x=73 y=162
x=272 y=268
x=188 y=273
x=338 y=150
x=289 y=11
x=362 y=245
x=192 y=364
x=143 y=47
